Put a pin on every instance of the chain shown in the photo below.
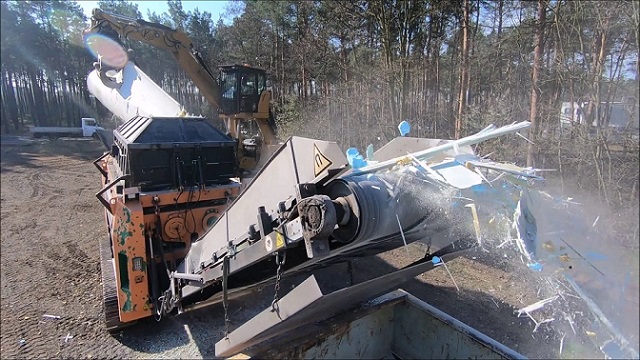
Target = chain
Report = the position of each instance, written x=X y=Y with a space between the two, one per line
x=274 y=304
x=225 y=304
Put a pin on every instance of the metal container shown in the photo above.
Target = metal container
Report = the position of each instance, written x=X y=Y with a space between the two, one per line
x=169 y=153
x=394 y=326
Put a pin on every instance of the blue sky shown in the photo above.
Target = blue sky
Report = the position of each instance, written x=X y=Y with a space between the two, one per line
x=216 y=8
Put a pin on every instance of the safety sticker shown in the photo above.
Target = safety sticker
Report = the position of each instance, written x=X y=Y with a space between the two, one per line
x=279 y=241
x=320 y=162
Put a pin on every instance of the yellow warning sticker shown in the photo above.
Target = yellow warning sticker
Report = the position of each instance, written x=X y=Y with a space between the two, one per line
x=320 y=162
x=279 y=241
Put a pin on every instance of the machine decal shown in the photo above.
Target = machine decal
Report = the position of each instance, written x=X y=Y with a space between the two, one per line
x=127 y=305
x=279 y=241
x=124 y=280
x=123 y=229
x=138 y=264
x=320 y=162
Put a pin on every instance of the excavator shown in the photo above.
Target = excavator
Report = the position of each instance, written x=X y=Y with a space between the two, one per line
x=238 y=92
x=185 y=232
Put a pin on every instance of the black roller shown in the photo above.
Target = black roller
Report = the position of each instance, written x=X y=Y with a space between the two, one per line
x=369 y=201
x=377 y=203
x=341 y=189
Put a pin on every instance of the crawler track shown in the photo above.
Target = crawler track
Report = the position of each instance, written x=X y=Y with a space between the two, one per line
x=109 y=293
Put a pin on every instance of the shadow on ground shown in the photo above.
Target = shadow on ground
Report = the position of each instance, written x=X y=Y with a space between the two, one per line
x=26 y=154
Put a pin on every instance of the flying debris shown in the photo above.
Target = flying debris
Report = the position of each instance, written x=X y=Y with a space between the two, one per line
x=404 y=128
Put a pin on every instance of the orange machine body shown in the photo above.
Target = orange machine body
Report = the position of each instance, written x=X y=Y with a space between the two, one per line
x=133 y=218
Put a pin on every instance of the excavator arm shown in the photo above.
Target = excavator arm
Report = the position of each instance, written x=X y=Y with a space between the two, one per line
x=161 y=37
x=181 y=47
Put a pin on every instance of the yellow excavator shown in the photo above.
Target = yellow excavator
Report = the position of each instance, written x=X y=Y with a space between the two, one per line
x=238 y=92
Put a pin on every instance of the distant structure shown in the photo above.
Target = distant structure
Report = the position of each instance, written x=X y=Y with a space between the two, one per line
x=622 y=114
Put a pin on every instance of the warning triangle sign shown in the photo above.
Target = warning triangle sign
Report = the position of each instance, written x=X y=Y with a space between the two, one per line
x=320 y=162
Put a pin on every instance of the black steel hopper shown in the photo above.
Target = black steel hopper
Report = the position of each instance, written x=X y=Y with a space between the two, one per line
x=166 y=153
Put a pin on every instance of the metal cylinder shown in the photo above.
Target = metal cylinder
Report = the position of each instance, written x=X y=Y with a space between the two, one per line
x=378 y=206
x=365 y=201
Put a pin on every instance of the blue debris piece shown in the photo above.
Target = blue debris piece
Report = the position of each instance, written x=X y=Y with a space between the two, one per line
x=404 y=127
x=480 y=188
x=351 y=152
x=535 y=266
x=435 y=260
x=359 y=162
x=355 y=160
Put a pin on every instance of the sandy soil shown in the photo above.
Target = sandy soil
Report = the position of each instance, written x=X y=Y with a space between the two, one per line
x=51 y=223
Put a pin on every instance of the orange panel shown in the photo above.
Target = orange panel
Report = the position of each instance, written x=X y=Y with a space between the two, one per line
x=128 y=226
x=129 y=249
x=178 y=225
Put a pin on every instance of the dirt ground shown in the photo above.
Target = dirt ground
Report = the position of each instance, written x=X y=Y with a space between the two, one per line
x=51 y=223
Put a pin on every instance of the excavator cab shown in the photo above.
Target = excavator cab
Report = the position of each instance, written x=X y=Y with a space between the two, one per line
x=241 y=89
x=244 y=98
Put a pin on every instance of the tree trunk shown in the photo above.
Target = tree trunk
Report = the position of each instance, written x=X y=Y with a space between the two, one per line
x=535 y=74
x=9 y=102
x=597 y=68
x=463 y=79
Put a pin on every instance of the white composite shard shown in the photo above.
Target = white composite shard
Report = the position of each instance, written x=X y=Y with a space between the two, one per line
x=489 y=132
x=130 y=92
x=457 y=175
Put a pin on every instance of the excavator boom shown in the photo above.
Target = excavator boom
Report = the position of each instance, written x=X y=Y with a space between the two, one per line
x=162 y=37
